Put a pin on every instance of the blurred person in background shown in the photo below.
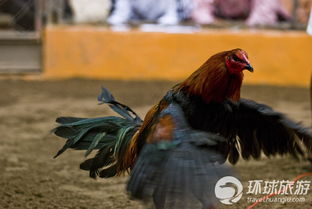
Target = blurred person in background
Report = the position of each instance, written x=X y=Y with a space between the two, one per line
x=86 y=11
x=254 y=12
x=303 y=11
x=267 y=12
x=203 y=11
x=232 y=9
x=169 y=12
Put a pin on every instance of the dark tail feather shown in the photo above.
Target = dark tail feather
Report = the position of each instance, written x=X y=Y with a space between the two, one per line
x=65 y=120
x=123 y=110
x=110 y=135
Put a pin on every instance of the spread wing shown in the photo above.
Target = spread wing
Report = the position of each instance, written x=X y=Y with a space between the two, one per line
x=178 y=166
x=260 y=128
x=249 y=127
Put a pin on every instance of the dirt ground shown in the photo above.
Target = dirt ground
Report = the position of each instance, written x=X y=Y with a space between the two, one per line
x=30 y=178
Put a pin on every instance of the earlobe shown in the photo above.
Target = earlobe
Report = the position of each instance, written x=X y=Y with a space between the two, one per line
x=228 y=62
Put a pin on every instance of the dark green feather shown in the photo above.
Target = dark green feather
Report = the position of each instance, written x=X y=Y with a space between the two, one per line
x=110 y=135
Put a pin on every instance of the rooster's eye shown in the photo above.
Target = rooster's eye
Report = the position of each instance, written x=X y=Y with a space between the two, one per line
x=236 y=59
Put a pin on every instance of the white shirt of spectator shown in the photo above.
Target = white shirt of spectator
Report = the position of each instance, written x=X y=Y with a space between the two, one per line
x=86 y=11
x=309 y=28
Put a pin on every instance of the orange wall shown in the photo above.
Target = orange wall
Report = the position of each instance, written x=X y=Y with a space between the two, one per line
x=279 y=58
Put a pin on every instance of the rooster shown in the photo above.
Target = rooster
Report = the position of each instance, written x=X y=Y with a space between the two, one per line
x=176 y=154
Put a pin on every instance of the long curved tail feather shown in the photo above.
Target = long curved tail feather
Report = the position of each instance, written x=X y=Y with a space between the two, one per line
x=110 y=135
x=107 y=98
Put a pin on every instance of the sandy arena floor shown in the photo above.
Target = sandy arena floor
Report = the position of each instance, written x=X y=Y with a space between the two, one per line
x=30 y=178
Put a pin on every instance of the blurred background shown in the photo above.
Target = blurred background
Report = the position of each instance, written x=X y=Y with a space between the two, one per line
x=56 y=55
x=34 y=31
x=30 y=15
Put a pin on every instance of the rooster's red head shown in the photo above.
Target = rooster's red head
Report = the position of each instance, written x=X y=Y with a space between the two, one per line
x=219 y=78
x=237 y=61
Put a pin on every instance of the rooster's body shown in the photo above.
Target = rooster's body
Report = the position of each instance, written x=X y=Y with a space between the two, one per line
x=176 y=153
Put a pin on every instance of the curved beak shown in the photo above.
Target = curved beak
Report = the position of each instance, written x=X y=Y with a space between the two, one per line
x=249 y=68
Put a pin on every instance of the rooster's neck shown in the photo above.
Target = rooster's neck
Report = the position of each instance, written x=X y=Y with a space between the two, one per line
x=213 y=86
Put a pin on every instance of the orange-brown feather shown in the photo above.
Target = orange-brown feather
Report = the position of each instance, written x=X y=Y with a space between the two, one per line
x=212 y=81
x=133 y=148
x=130 y=155
x=162 y=130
